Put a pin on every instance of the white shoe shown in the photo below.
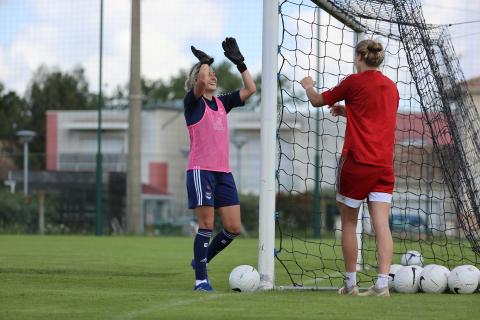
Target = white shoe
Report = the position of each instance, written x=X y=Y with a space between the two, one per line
x=375 y=292
x=351 y=291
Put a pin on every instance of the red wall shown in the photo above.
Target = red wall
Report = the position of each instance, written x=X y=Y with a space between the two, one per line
x=52 y=141
x=159 y=176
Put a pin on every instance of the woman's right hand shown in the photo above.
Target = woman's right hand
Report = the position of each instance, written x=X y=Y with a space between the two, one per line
x=307 y=82
x=201 y=56
x=338 y=110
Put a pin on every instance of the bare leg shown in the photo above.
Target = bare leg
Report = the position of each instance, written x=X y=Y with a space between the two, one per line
x=205 y=217
x=349 y=218
x=379 y=214
x=231 y=218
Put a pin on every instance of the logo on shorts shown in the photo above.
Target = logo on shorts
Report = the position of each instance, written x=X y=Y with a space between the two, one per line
x=208 y=195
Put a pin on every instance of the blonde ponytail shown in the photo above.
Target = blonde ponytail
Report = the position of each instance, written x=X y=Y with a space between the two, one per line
x=192 y=77
x=371 y=52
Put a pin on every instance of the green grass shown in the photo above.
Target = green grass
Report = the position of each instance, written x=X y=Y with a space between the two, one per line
x=74 y=277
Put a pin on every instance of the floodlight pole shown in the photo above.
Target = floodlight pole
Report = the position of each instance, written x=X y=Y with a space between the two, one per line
x=99 y=164
x=25 y=168
x=25 y=137
x=239 y=142
x=316 y=198
x=266 y=246
x=134 y=171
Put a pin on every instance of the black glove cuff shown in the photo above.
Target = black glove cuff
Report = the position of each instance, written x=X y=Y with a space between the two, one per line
x=206 y=60
x=241 y=67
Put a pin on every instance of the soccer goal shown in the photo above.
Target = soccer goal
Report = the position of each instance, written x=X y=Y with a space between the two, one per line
x=436 y=201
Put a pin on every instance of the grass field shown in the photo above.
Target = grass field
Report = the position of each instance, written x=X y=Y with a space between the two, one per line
x=80 y=277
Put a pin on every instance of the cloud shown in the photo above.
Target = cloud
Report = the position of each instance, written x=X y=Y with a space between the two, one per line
x=66 y=34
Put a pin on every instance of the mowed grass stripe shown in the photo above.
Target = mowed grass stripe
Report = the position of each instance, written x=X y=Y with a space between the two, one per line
x=83 y=277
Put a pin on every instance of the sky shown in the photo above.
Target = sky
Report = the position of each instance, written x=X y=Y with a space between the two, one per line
x=65 y=33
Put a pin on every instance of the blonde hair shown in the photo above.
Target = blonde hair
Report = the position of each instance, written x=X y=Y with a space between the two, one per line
x=192 y=76
x=371 y=52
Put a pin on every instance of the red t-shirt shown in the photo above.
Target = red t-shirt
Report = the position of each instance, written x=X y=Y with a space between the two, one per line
x=371 y=101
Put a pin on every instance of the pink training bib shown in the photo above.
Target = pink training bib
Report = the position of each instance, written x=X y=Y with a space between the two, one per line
x=209 y=142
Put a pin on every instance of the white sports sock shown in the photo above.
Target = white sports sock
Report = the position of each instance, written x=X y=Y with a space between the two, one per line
x=382 y=281
x=351 y=279
x=197 y=282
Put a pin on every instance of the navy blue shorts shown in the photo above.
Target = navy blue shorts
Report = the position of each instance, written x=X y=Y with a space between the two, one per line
x=211 y=188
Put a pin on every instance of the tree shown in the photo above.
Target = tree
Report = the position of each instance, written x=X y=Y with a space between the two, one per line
x=52 y=89
x=13 y=115
x=173 y=89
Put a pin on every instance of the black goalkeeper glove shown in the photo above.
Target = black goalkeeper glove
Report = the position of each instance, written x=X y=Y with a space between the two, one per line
x=232 y=52
x=202 y=56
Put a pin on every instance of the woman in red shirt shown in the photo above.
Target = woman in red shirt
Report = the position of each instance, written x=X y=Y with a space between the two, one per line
x=365 y=169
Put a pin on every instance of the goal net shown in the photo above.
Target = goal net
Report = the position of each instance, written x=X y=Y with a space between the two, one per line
x=435 y=208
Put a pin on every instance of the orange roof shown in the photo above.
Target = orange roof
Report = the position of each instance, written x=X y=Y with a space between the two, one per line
x=413 y=129
x=474 y=84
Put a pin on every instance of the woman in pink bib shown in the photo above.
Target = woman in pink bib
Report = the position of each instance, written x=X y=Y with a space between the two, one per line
x=210 y=183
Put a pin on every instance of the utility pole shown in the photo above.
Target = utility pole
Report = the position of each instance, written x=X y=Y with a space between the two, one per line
x=25 y=137
x=317 y=224
x=134 y=204
x=99 y=158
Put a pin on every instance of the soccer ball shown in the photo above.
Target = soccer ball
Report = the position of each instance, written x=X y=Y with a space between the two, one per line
x=407 y=278
x=463 y=279
x=412 y=258
x=434 y=279
x=244 y=278
x=391 y=275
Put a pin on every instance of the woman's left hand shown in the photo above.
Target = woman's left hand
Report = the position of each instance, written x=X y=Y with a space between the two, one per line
x=232 y=51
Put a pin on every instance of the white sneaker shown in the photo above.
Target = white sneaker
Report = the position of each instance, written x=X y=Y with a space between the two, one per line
x=350 y=291
x=375 y=292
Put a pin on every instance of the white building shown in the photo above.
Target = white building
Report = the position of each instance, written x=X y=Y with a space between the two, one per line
x=72 y=146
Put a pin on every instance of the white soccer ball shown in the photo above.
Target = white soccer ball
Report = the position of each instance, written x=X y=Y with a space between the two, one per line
x=463 y=279
x=391 y=275
x=434 y=279
x=412 y=258
x=244 y=278
x=407 y=278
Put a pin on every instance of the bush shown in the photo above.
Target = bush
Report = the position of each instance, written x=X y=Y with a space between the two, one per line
x=295 y=210
x=20 y=214
x=249 y=210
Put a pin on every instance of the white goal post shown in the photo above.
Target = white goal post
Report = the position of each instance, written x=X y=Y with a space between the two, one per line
x=266 y=247
x=268 y=142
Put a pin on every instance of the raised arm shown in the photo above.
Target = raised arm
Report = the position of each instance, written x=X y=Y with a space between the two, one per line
x=249 y=87
x=232 y=52
x=201 y=81
x=316 y=99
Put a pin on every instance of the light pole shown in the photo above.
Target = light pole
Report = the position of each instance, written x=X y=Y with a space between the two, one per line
x=134 y=169
x=239 y=141
x=25 y=137
x=99 y=157
x=317 y=222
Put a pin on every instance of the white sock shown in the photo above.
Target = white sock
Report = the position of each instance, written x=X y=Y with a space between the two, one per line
x=197 y=282
x=351 y=279
x=382 y=281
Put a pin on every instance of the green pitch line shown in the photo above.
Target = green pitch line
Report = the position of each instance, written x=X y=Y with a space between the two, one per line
x=75 y=277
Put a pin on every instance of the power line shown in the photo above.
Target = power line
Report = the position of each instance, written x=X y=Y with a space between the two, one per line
x=459 y=23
